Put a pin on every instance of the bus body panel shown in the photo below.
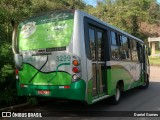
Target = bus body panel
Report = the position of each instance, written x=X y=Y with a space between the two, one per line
x=129 y=72
x=47 y=69
x=49 y=72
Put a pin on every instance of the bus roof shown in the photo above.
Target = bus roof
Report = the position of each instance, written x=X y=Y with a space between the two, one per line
x=108 y=25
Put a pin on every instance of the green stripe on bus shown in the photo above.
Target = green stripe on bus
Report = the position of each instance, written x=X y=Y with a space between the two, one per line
x=51 y=78
x=117 y=73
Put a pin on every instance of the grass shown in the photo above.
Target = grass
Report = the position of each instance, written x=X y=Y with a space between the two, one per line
x=154 y=61
x=157 y=51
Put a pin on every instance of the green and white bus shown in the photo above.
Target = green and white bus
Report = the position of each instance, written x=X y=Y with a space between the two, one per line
x=69 y=54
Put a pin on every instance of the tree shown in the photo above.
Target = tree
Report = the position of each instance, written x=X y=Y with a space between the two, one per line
x=16 y=11
x=128 y=15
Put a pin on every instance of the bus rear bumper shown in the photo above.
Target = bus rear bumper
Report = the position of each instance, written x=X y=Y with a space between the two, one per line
x=75 y=90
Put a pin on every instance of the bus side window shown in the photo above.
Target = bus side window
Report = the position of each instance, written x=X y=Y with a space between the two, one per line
x=129 y=49
x=101 y=46
x=125 y=48
x=134 y=50
x=114 y=46
x=139 y=50
x=92 y=43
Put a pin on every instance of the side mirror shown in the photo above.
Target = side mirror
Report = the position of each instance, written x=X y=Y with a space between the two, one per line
x=14 y=37
x=18 y=61
x=149 y=51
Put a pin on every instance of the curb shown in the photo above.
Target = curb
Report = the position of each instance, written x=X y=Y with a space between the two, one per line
x=20 y=107
x=16 y=107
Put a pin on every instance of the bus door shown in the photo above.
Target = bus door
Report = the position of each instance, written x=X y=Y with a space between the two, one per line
x=97 y=47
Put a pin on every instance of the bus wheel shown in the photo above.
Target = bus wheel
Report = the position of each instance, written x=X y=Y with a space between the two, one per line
x=116 y=98
x=145 y=84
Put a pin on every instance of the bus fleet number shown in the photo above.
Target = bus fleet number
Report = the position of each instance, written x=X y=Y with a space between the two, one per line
x=63 y=58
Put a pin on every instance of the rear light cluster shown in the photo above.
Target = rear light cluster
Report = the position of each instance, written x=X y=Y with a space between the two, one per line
x=76 y=69
x=23 y=85
x=16 y=72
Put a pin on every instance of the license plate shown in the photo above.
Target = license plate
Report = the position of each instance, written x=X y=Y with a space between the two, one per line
x=43 y=92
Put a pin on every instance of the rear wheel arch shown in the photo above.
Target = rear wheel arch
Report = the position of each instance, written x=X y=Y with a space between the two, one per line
x=120 y=84
x=115 y=99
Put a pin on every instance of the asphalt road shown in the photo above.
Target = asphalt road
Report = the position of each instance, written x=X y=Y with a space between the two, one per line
x=134 y=101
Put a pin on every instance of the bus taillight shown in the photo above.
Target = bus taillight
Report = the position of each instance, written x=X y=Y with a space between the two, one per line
x=16 y=71
x=67 y=86
x=23 y=85
x=76 y=70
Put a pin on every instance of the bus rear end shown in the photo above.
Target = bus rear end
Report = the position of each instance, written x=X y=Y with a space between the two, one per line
x=45 y=63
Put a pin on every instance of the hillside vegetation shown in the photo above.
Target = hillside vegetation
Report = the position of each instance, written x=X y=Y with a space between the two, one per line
x=137 y=17
x=140 y=18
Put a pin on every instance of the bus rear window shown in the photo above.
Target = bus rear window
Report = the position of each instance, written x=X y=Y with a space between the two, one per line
x=50 y=30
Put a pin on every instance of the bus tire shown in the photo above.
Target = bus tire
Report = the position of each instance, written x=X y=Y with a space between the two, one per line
x=115 y=99
x=146 y=83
